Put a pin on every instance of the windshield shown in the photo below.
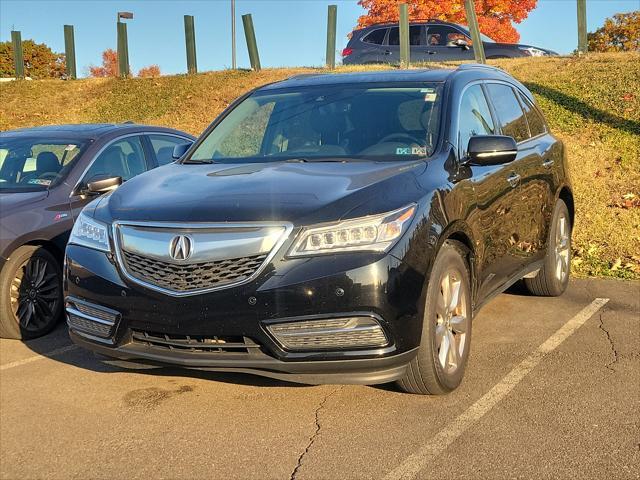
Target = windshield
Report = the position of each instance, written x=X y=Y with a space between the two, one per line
x=328 y=123
x=482 y=35
x=31 y=164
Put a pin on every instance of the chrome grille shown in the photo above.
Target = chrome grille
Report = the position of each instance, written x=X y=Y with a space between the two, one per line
x=195 y=276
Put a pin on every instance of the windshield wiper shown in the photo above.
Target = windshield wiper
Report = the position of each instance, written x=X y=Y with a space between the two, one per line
x=197 y=161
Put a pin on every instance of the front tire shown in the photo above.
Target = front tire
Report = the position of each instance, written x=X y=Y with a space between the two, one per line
x=439 y=366
x=553 y=277
x=30 y=294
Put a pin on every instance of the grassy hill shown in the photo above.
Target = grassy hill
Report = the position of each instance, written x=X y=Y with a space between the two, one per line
x=592 y=103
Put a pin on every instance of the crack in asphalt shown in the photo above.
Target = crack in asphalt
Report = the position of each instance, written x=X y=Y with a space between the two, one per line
x=315 y=434
x=609 y=365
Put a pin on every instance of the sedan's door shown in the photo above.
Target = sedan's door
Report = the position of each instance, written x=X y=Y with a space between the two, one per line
x=441 y=44
x=123 y=157
x=391 y=51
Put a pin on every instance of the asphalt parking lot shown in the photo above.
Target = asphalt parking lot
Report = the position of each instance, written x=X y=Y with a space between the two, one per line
x=552 y=391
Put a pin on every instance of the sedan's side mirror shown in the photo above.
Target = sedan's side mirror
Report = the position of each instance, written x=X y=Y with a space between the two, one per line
x=491 y=150
x=102 y=184
x=459 y=42
x=180 y=150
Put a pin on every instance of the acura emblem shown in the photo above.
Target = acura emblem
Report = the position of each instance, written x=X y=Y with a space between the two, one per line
x=180 y=247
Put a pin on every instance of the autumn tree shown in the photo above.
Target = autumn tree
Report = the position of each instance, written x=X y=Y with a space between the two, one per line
x=109 y=66
x=39 y=60
x=618 y=34
x=150 y=71
x=495 y=17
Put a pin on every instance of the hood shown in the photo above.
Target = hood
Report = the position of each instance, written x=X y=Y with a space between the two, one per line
x=301 y=193
x=10 y=202
x=522 y=45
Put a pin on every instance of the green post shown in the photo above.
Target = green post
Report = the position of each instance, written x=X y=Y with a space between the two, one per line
x=123 y=50
x=404 y=35
x=18 y=57
x=332 y=17
x=252 y=46
x=582 y=26
x=190 y=40
x=70 y=51
x=472 y=22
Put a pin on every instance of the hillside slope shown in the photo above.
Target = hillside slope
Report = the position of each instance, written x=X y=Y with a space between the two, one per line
x=592 y=103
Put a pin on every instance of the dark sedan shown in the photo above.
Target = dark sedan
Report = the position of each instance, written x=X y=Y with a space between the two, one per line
x=432 y=40
x=47 y=175
x=330 y=228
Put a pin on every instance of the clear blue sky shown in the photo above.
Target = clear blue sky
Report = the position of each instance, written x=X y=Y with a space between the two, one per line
x=289 y=32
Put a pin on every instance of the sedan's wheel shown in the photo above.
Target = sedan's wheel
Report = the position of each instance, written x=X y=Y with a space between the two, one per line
x=553 y=277
x=30 y=294
x=446 y=333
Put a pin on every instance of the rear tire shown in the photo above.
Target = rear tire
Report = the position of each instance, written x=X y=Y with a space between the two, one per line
x=439 y=366
x=30 y=294
x=553 y=277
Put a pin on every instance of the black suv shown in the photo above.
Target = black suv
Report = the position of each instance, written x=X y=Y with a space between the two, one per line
x=47 y=175
x=330 y=228
x=432 y=40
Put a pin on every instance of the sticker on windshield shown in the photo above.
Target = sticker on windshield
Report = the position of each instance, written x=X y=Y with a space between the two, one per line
x=39 y=181
x=422 y=151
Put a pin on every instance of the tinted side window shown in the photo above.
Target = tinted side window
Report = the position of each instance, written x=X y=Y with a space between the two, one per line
x=474 y=117
x=535 y=120
x=510 y=114
x=415 y=34
x=163 y=147
x=377 y=36
x=442 y=35
x=123 y=158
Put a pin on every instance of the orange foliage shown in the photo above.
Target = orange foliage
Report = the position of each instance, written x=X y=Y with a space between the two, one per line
x=495 y=17
x=109 y=66
x=150 y=71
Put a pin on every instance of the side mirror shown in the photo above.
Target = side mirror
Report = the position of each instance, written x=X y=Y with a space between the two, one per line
x=491 y=150
x=180 y=150
x=102 y=184
x=459 y=43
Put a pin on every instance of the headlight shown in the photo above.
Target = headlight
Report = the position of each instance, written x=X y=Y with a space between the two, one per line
x=90 y=233
x=533 y=52
x=375 y=233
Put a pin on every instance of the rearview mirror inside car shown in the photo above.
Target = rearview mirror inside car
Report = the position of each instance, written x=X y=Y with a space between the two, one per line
x=180 y=150
x=102 y=184
x=491 y=150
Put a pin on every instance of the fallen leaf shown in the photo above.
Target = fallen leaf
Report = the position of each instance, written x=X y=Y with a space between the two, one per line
x=616 y=265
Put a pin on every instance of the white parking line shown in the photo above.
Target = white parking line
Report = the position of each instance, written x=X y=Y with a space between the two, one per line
x=52 y=353
x=445 y=437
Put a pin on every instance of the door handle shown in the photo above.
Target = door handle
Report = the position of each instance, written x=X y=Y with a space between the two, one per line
x=548 y=163
x=431 y=52
x=387 y=52
x=513 y=179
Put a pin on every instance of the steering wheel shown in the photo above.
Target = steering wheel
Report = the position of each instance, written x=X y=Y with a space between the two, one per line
x=402 y=137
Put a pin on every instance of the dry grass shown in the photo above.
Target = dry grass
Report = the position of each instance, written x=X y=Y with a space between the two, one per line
x=592 y=103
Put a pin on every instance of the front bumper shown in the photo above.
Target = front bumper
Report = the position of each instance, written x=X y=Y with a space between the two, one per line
x=378 y=286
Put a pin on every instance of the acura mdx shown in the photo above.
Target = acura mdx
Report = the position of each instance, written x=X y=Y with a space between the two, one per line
x=339 y=228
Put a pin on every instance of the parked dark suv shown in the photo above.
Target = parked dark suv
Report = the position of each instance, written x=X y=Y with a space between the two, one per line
x=330 y=228
x=47 y=174
x=432 y=40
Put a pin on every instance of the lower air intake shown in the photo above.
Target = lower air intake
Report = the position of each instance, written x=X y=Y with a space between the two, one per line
x=91 y=319
x=329 y=334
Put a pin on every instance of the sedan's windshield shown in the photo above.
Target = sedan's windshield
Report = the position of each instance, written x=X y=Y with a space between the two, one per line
x=325 y=123
x=36 y=163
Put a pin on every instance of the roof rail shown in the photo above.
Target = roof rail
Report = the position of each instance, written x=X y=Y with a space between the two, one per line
x=128 y=122
x=471 y=66
x=304 y=75
x=413 y=20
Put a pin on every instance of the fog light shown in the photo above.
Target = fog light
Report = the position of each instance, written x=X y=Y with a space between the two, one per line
x=329 y=334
